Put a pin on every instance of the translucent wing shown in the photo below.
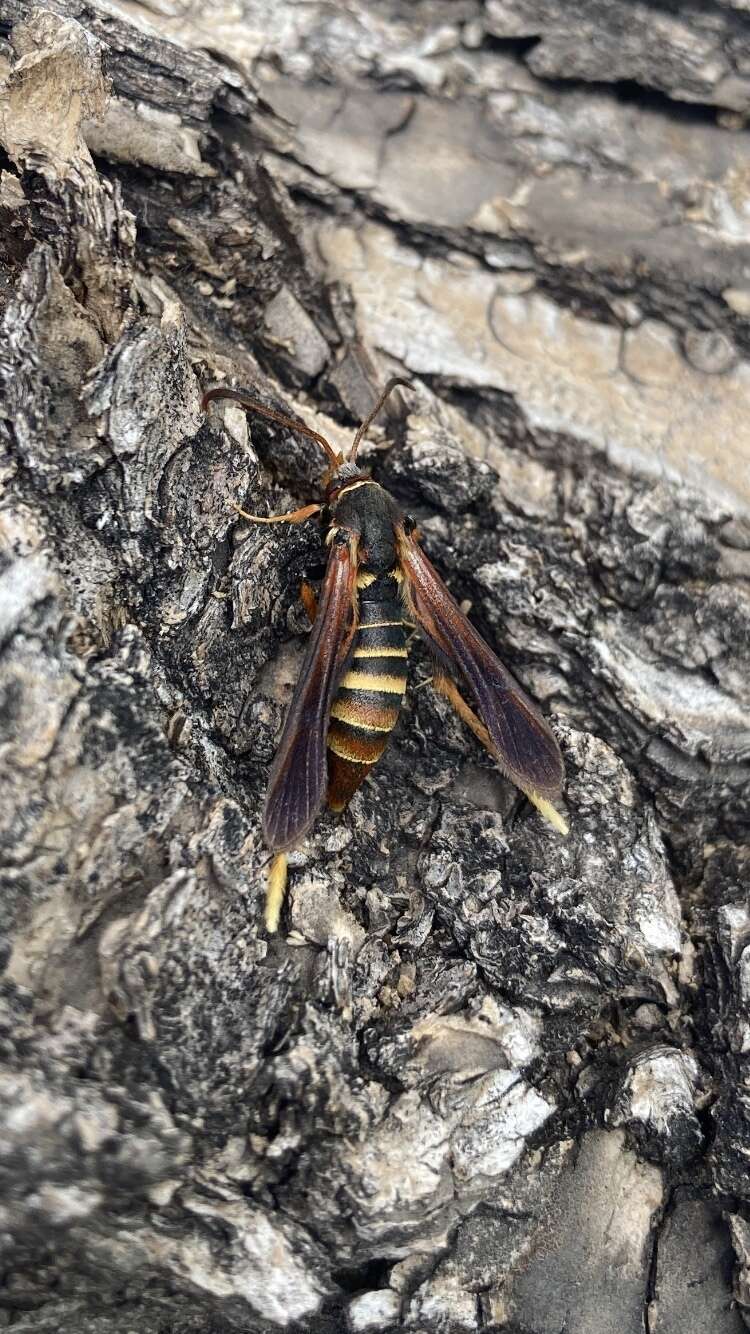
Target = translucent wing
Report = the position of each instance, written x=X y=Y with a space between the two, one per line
x=521 y=740
x=298 y=779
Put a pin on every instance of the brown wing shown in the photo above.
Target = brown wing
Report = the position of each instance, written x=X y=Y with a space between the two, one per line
x=297 y=783
x=522 y=741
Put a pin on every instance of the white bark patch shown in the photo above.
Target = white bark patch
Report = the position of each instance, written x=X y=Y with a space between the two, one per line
x=55 y=83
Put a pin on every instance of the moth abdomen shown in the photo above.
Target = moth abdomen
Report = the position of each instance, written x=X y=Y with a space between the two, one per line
x=370 y=692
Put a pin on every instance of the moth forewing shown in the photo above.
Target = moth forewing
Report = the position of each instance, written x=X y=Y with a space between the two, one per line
x=298 y=778
x=509 y=726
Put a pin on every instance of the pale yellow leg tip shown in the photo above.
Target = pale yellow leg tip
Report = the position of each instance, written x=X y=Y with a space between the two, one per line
x=547 y=810
x=275 y=892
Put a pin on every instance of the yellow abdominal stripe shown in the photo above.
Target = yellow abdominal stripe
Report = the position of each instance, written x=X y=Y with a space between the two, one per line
x=380 y=653
x=352 y=714
x=393 y=685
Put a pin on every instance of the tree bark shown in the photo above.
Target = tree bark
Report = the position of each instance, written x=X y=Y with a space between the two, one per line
x=485 y=1077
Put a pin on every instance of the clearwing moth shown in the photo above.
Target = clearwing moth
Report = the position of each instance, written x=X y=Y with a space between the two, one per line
x=378 y=584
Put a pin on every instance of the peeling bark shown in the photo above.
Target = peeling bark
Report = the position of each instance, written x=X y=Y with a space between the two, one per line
x=486 y=1078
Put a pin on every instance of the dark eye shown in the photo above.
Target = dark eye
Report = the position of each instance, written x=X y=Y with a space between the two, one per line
x=409 y=524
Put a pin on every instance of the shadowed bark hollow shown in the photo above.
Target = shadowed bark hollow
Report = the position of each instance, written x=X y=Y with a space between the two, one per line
x=485 y=1078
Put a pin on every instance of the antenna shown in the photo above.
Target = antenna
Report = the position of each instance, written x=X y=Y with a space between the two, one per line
x=252 y=404
x=390 y=386
x=335 y=459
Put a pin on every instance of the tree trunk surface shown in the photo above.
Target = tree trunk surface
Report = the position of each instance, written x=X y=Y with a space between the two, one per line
x=485 y=1077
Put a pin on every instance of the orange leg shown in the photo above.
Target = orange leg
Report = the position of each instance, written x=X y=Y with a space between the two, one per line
x=294 y=516
x=445 y=687
x=309 y=600
x=545 y=808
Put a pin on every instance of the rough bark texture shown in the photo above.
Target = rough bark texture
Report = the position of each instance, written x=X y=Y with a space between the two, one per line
x=485 y=1078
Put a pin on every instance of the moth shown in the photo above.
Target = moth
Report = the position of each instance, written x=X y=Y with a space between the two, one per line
x=378 y=585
